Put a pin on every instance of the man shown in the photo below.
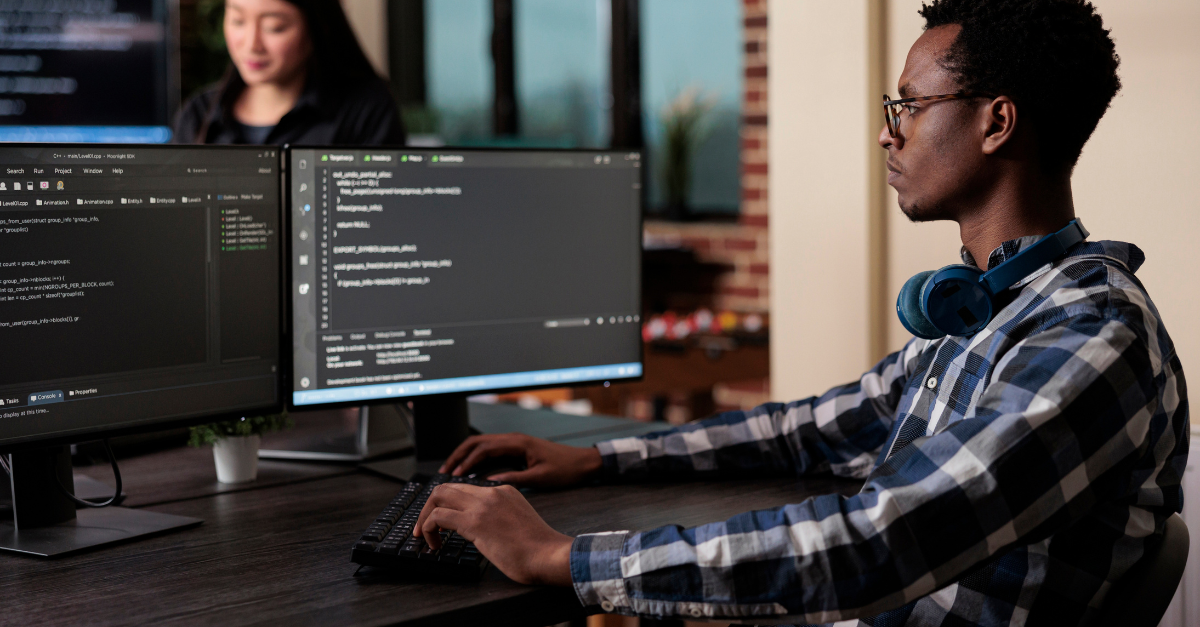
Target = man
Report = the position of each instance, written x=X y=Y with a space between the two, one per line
x=1011 y=475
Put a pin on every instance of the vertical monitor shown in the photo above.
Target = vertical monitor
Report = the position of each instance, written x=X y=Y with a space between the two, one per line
x=88 y=70
x=139 y=286
x=423 y=272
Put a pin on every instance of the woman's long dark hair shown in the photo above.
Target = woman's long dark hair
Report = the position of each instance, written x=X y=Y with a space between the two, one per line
x=335 y=63
x=335 y=49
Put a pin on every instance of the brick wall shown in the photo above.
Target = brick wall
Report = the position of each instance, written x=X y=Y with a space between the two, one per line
x=744 y=244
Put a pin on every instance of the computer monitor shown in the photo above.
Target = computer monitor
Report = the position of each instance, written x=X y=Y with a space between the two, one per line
x=140 y=288
x=88 y=71
x=432 y=275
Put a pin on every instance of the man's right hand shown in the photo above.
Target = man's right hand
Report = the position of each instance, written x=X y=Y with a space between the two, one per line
x=548 y=465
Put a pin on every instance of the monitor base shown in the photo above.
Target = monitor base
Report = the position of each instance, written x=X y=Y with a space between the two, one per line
x=90 y=528
x=95 y=491
x=402 y=468
x=354 y=435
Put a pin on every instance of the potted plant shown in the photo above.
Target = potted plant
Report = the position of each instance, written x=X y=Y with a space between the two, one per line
x=684 y=129
x=235 y=444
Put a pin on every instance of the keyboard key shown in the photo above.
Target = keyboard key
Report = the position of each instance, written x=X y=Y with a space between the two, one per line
x=388 y=541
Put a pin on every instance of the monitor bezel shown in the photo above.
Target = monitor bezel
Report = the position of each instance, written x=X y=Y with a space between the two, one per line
x=287 y=203
x=162 y=424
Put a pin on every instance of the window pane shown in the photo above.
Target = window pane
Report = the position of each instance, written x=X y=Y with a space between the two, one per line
x=562 y=53
x=695 y=44
x=459 y=67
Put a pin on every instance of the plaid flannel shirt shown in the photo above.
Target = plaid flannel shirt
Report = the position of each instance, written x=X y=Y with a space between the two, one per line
x=1010 y=477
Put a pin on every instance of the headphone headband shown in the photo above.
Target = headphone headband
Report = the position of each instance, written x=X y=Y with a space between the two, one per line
x=1044 y=251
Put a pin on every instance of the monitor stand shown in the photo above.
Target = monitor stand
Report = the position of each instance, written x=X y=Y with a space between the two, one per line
x=441 y=423
x=342 y=435
x=45 y=522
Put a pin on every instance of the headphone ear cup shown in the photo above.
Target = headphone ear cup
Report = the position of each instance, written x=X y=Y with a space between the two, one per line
x=908 y=307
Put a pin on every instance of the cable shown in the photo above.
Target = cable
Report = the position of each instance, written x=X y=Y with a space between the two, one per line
x=116 y=474
x=4 y=464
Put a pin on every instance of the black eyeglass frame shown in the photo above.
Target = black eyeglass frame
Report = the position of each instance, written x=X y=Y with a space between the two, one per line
x=891 y=111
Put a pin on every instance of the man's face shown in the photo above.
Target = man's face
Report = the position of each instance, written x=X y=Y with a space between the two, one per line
x=936 y=160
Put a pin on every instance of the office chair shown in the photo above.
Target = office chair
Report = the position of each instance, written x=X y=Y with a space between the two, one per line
x=1141 y=597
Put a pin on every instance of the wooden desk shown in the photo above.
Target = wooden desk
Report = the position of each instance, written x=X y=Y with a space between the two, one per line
x=280 y=554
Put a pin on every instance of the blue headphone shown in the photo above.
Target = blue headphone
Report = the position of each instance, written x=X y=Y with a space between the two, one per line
x=960 y=299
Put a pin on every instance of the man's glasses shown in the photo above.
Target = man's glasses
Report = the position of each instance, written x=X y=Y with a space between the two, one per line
x=892 y=108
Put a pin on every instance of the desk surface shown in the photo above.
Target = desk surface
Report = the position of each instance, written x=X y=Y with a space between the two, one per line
x=278 y=552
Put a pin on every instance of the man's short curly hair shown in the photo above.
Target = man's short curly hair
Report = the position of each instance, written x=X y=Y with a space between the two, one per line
x=1054 y=58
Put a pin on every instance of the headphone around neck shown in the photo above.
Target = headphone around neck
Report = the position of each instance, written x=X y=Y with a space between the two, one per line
x=959 y=300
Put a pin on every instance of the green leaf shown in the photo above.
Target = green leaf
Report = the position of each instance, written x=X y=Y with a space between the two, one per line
x=206 y=434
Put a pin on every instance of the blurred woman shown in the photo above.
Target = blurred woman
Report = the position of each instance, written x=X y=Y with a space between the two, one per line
x=298 y=77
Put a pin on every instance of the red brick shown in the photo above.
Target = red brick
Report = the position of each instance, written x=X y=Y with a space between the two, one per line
x=754 y=168
x=753 y=95
x=749 y=292
x=756 y=71
x=752 y=220
x=751 y=194
x=754 y=120
x=760 y=268
x=759 y=21
x=751 y=144
x=699 y=244
x=752 y=47
x=732 y=243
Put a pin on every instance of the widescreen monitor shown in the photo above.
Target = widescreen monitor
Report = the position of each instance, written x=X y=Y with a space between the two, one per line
x=88 y=70
x=139 y=287
x=418 y=273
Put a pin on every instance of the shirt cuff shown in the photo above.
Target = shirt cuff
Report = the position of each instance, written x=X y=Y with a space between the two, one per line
x=596 y=572
x=621 y=456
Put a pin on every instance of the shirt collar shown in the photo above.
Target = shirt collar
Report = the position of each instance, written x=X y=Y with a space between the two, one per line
x=1127 y=255
x=1001 y=253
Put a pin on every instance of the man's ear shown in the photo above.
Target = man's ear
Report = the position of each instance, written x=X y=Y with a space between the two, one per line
x=999 y=124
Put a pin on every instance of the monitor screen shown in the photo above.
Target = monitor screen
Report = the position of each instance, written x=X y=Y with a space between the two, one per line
x=87 y=70
x=418 y=272
x=138 y=285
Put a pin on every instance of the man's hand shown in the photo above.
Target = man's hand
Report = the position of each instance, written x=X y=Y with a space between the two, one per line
x=503 y=526
x=548 y=465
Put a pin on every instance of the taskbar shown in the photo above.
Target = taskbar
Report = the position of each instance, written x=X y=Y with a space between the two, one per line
x=561 y=376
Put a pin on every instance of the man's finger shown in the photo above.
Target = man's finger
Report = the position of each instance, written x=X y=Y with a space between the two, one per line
x=518 y=477
x=450 y=495
x=486 y=450
x=460 y=452
x=441 y=518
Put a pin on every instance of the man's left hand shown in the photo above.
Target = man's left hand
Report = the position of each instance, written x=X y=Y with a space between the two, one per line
x=503 y=526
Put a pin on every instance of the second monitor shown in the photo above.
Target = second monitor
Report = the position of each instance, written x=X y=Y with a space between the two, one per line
x=434 y=274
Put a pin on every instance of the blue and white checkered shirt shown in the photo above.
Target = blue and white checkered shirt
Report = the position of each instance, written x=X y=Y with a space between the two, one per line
x=1011 y=476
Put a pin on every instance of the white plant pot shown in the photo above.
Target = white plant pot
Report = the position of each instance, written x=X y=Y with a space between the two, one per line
x=237 y=458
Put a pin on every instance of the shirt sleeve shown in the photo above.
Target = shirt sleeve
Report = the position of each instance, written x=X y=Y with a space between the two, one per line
x=841 y=431
x=1068 y=416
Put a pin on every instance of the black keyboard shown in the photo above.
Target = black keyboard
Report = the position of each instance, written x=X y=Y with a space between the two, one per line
x=389 y=541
